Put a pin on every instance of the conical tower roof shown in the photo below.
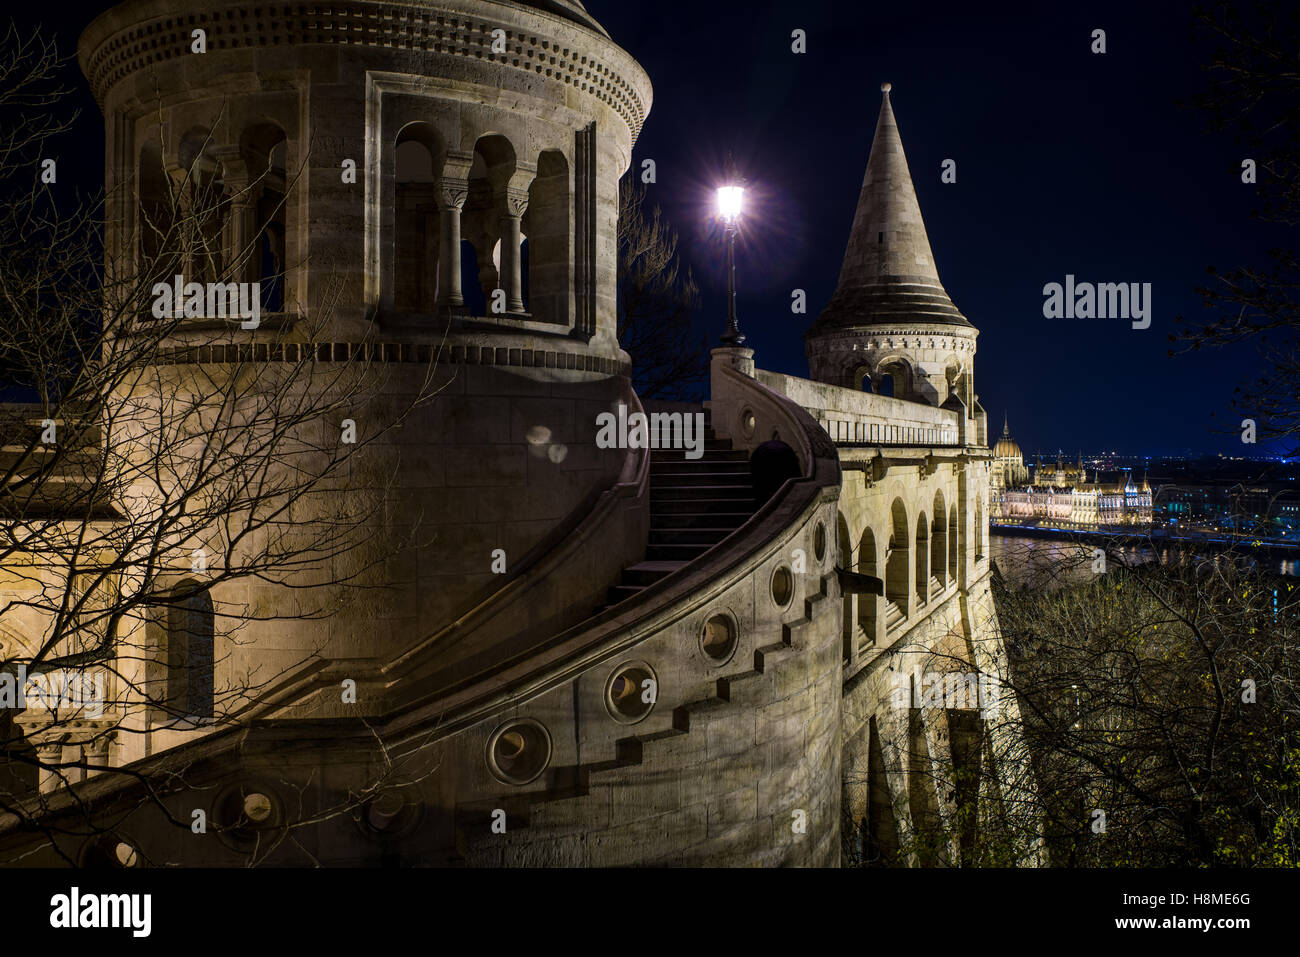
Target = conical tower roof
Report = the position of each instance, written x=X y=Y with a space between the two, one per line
x=889 y=275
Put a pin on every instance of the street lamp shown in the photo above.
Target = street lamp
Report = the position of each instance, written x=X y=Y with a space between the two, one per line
x=730 y=197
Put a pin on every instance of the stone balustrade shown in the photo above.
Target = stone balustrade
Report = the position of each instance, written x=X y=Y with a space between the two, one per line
x=849 y=416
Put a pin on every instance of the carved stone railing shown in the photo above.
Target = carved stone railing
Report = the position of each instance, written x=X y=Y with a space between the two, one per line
x=864 y=418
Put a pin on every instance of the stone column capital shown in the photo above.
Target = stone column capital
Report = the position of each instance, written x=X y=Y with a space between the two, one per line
x=453 y=193
x=514 y=201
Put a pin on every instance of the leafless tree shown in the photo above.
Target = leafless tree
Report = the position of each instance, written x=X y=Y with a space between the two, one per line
x=167 y=485
x=656 y=301
x=1254 y=92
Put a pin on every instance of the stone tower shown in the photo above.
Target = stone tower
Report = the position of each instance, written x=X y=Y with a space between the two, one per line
x=487 y=141
x=890 y=326
x=675 y=663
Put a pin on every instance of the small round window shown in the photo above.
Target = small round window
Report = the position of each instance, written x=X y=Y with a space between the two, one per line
x=819 y=541
x=631 y=692
x=518 y=752
x=782 y=586
x=718 y=638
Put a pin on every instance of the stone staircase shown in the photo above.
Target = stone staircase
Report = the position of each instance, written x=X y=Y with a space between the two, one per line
x=694 y=504
x=639 y=753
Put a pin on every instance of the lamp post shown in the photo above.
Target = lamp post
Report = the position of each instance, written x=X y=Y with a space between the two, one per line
x=730 y=196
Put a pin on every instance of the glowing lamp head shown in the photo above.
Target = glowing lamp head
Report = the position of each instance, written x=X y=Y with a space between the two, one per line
x=729 y=201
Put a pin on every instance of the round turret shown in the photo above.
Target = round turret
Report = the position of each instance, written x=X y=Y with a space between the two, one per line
x=890 y=326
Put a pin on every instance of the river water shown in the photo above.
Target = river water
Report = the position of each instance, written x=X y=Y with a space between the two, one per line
x=1046 y=563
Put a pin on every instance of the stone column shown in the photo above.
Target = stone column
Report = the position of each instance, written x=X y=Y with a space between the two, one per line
x=240 y=263
x=450 y=298
x=50 y=778
x=511 y=202
x=96 y=753
x=453 y=191
x=511 y=278
x=432 y=267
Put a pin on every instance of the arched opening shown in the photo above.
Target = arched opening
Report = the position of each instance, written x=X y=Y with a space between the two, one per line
x=771 y=465
x=860 y=378
x=484 y=216
x=415 y=219
x=867 y=603
x=952 y=542
x=896 y=376
x=548 y=226
x=882 y=838
x=939 y=543
x=475 y=303
x=191 y=646
x=896 y=568
x=844 y=552
x=922 y=559
x=264 y=150
x=922 y=794
x=155 y=247
x=204 y=208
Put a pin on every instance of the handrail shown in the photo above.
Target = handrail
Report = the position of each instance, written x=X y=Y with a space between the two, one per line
x=476 y=697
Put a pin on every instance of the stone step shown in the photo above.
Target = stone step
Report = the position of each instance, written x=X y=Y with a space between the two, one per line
x=646 y=573
x=712 y=446
x=661 y=482
x=701 y=505
x=744 y=688
x=770 y=655
x=711 y=463
x=730 y=690
x=669 y=521
x=686 y=494
x=700 y=535
x=683 y=714
x=721 y=448
x=673 y=553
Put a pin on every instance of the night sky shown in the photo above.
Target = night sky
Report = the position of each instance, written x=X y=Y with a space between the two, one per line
x=1067 y=162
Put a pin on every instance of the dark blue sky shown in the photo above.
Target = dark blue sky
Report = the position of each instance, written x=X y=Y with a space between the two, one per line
x=1067 y=162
